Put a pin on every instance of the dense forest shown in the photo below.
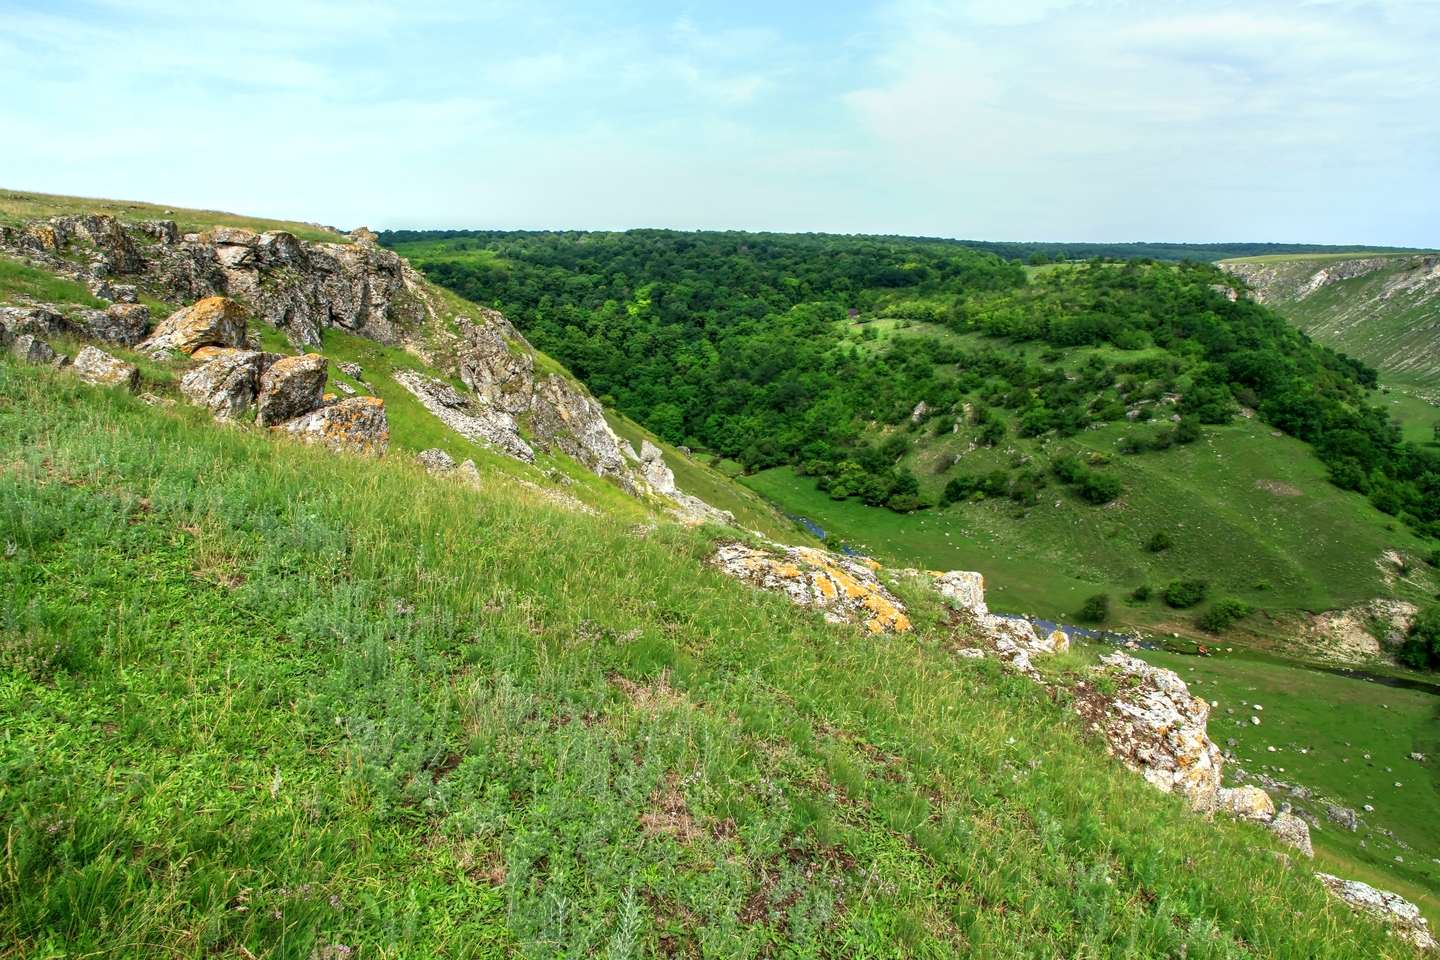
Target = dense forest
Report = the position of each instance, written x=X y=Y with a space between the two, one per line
x=758 y=347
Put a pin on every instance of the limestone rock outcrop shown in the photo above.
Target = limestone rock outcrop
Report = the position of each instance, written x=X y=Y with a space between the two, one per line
x=843 y=589
x=356 y=425
x=123 y=324
x=1293 y=831
x=225 y=384
x=98 y=368
x=1158 y=729
x=471 y=417
x=660 y=479
x=1402 y=916
x=1246 y=803
x=212 y=322
x=36 y=321
x=289 y=388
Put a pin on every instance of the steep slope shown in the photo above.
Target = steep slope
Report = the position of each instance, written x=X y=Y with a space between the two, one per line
x=1384 y=310
x=270 y=701
x=469 y=370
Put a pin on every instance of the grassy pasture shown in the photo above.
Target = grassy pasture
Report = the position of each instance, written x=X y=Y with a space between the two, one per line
x=264 y=699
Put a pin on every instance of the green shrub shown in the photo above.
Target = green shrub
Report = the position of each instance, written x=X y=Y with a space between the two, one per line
x=1141 y=594
x=1100 y=487
x=1159 y=542
x=903 y=502
x=1183 y=594
x=1096 y=609
x=1224 y=614
x=1421 y=648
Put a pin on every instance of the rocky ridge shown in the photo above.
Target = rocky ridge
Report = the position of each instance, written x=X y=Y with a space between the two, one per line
x=510 y=402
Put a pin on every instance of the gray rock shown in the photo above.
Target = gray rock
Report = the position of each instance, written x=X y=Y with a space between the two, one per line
x=225 y=385
x=98 y=368
x=435 y=460
x=61 y=361
x=467 y=472
x=1403 y=917
x=291 y=387
x=32 y=349
x=467 y=416
x=1291 y=830
x=123 y=324
x=352 y=370
x=1343 y=816
x=36 y=321
x=358 y=425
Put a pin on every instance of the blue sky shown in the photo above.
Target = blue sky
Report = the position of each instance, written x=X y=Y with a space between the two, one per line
x=1028 y=119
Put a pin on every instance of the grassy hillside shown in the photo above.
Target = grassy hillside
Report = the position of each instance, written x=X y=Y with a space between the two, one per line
x=1389 y=316
x=17 y=207
x=264 y=699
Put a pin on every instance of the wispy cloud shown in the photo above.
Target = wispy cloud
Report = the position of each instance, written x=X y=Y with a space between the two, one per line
x=1026 y=118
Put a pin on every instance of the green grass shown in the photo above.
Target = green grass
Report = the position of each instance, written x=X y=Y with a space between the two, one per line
x=1335 y=718
x=281 y=698
x=1315 y=547
x=16 y=207
x=18 y=280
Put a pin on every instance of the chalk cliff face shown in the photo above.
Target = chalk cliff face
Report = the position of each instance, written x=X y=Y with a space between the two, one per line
x=510 y=402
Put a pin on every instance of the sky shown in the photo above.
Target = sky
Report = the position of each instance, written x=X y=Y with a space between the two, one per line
x=1065 y=120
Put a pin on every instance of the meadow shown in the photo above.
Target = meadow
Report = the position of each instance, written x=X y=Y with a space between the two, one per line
x=265 y=701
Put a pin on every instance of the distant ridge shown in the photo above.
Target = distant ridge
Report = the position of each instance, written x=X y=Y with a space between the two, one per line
x=1006 y=249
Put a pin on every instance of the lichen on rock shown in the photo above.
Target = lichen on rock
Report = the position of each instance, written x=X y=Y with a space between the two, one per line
x=213 y=322
x=356 y=425
x=843 y=589
x=98 y=368
x=1402 y=916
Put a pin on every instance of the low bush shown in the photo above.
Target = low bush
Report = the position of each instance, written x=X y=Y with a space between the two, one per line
x=1183 y=594
x=1421 y=648
x=1224 y=614
x=1159 y=542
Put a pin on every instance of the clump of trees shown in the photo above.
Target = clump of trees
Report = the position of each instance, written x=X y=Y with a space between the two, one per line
x=1421 y=648
x=1096 y=608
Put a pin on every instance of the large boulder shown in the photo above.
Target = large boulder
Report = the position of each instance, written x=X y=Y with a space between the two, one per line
x=357 y=425
x=1246 y=803
x=1403 y=916
x=843 y=589
x=98 y=368
x=963 y=589
x=225 y=385
x=214 y=321
x=1156 y=727
x=290 y=388
x=123 y=324
x=32 y=349
x=36 y=321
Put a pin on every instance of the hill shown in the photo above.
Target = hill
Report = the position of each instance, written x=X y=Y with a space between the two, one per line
x=1384 y=310
x=286 y=681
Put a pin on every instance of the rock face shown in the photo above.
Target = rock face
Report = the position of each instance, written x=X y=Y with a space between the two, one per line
x=224 y=384
x=660 y=479
x=469 y=416
x=357 y=425
x=1246 y=803
x=123 y=324
x=213 y=322
x=1159 y=730
x=845 y=590
x=1402 y=915
x=292 y=386
x=98 y=368
x=36 y=321
x=1015 y=640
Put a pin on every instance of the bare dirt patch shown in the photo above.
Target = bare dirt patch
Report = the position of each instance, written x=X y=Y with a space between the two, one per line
x=1278 y=488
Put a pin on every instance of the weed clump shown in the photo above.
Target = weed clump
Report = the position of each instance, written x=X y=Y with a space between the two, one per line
x=1159 y=543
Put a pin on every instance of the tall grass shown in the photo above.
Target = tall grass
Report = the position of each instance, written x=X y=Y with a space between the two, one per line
x=284 y=701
